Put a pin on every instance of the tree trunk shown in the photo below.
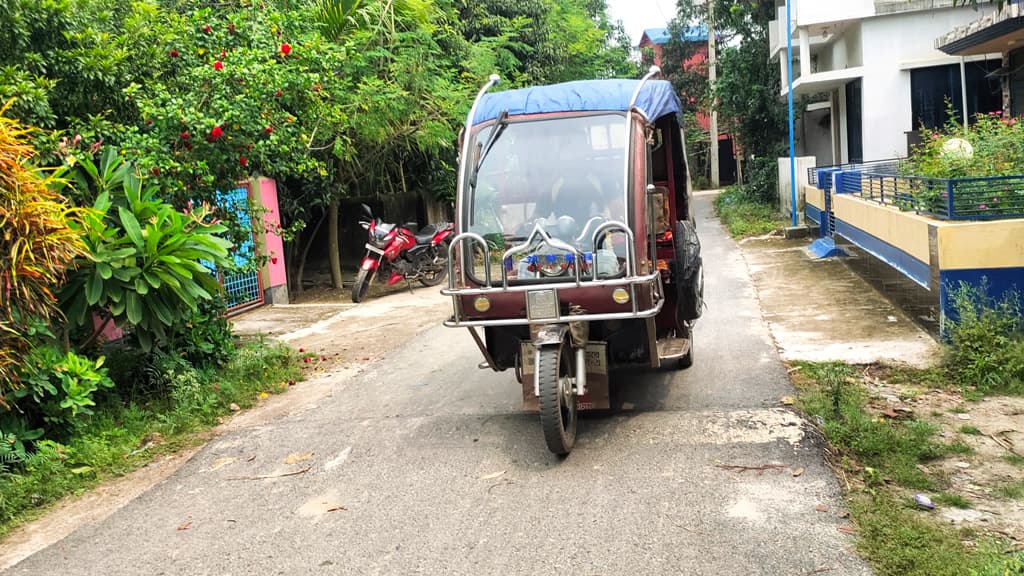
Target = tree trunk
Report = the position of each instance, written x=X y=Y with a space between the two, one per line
x=301 y=268
x=333 y=245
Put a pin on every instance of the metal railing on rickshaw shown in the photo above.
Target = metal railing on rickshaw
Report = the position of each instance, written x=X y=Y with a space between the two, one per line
x=628 y=281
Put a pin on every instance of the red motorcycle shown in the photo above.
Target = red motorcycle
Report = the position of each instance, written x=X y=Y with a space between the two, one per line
x=399 y=254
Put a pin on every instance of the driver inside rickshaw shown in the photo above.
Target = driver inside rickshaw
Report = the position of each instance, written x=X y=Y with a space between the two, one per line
x=578 y=188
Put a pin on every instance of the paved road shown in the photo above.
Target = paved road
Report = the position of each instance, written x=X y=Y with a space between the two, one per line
x=425 y=465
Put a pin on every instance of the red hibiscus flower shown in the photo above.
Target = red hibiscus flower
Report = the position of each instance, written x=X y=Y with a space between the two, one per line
x=286 y=49
x=218 y=65
x=174 y=53
x=223 y=54
x=269 y=129
x=207 y=29
x=185 y=135
x=243 y=161
x=215 y=133
x=278 y=94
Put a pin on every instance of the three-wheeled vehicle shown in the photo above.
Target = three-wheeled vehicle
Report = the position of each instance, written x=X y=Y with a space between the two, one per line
x=575 y=247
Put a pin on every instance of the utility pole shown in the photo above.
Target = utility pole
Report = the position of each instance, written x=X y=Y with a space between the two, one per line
x=712 y=78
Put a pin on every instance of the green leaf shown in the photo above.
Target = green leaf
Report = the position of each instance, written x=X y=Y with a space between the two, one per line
x=133 y=307
x=104 y=270
x=94 y=288
x=145 y=340
x=141 y=286
x=131 y=226
x=151 y=278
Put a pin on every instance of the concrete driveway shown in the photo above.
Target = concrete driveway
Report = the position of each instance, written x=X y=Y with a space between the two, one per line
x=424 y=464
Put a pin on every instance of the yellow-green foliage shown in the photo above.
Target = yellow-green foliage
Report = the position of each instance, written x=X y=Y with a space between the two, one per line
x=36 y=243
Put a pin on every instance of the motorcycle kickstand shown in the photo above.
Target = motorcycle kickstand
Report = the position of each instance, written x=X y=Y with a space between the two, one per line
x=409 y=284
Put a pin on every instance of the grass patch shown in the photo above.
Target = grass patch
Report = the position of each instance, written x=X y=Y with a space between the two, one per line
x=901 y=541
x=1012 y=490
x=1015 y=459
x=891 y=449
x=954 y=500
x=124 y=435
x=883 y=455
x=745 y=216
x=972 y=430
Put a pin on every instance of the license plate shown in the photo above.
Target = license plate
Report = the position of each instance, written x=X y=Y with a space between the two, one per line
x=542 y=304
x=374 y=249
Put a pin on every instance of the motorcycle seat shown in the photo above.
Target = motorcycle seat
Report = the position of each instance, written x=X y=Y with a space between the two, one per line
x=426 y=234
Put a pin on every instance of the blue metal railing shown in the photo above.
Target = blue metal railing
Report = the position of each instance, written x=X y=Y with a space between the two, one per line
x=987 y=198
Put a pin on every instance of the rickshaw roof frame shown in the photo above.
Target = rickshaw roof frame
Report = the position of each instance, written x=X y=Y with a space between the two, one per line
x=655 y=99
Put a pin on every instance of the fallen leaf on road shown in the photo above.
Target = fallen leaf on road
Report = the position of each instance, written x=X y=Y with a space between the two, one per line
x=798 y=472
x=821 y=508
x=336 y=508
x=890 y=413
x=234 y=407
x=492 y=476
x=220 y=463
x=788 y=400
x=185 y=526
x=294 y=458
x=847 y=529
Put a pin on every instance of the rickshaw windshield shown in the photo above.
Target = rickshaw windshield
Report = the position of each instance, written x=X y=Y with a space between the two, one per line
x=548 y=171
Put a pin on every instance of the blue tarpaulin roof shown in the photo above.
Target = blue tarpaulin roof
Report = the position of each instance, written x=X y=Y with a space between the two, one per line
x=656 y=99
x=689 y=34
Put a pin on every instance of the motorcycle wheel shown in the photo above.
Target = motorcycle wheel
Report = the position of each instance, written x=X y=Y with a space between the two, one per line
x=361 y=286
x=438 y=275
x=557 y=398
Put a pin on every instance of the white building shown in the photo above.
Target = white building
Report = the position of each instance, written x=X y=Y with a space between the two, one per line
x=873 y=75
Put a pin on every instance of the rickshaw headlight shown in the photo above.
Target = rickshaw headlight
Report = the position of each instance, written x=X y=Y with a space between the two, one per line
x=482 y=304
x=620 y=296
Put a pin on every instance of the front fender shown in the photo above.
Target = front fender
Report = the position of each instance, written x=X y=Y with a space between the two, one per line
x=370 y=263
x=550 y=334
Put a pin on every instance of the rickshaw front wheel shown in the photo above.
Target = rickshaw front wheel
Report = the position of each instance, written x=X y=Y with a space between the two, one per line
x=557 y=396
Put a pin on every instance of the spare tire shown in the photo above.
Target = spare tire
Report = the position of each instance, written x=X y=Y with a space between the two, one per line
x=688 y=272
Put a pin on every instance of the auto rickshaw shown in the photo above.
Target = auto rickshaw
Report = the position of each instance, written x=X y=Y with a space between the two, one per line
x=575 y=248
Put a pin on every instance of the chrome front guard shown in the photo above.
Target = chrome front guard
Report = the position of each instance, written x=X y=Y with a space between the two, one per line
x=629 y=282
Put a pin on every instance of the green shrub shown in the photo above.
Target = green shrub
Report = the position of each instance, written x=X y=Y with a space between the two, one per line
x=205 y=338
x=145 y=259
x=762 y=176
x=986 y=339
x=997 y=145
x=746 y=215
x=58 y=387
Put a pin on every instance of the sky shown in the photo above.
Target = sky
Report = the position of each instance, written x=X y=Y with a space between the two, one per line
x=636 y=15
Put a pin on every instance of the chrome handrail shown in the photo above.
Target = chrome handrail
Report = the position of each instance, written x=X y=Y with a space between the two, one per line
x=631 y=264
x=451 y=258
x=467 y=132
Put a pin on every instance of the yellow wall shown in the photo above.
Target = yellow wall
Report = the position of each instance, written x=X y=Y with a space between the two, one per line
x=814 y=197
x=971 y=245
x=904 y=230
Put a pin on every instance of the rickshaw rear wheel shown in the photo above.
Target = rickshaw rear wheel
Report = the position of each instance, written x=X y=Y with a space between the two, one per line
x=557 y=397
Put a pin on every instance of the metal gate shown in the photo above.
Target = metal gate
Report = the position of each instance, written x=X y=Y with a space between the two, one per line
x=242 y=290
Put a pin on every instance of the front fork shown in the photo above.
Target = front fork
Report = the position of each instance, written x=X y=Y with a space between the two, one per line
x=573 y=334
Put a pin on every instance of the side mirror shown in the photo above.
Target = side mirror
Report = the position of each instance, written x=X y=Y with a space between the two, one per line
x=367 y=213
